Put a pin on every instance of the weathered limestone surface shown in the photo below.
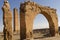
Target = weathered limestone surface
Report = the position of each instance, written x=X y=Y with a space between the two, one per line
x=7 y=21
x=28 y=12
x=16 y=21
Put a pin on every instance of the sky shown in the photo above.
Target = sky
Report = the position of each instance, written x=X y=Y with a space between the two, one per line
x=40 y=21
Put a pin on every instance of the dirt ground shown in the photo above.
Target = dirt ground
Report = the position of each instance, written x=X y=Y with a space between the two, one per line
x=17 y=37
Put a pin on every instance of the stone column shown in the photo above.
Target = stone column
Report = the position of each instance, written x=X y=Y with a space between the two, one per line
x=7 y=21
x=22 y=23
x=16 y=24
x=25 y=23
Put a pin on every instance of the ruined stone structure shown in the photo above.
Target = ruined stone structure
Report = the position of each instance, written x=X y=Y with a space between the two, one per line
x=16 y=24
x=28 y=11
x=7 y=21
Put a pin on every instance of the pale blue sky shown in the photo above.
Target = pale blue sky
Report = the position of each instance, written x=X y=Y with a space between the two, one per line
x=40 y=20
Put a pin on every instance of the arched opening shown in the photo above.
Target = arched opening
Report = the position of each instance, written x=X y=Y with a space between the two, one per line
x=27 y=14
x=40 y=26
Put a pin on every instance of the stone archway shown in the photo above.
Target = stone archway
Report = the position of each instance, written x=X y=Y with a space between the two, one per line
x=28 y=11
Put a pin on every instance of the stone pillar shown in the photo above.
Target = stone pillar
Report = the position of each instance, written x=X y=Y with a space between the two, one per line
x=22 y=24
x=7 y=21
x=25 y=24
x=22 y=27
x=16 y=24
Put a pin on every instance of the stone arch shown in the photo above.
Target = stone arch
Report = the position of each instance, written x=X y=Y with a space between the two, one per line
x=28 y=11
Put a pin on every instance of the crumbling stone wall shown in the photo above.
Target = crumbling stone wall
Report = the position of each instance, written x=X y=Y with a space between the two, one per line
x=7 y=21
x=28 y=11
